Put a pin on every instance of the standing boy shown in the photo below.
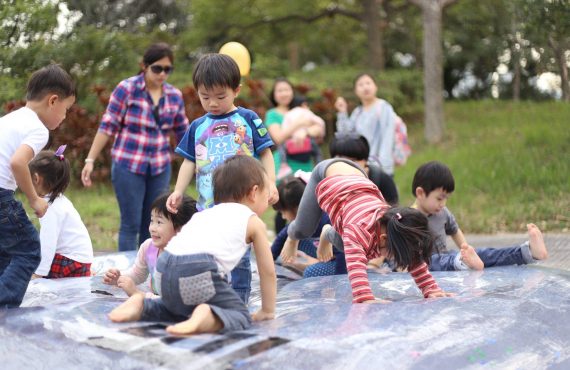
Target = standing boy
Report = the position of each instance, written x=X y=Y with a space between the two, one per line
x=23 y=133
x=225 y=131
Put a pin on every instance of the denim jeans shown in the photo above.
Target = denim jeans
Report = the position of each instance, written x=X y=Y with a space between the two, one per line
x=135 y=194
x=241 y=277
x=189 y=280
x=515 y=255
x=20 y=251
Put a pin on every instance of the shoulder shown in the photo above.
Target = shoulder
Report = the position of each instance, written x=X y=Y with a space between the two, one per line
x=145 y=245
x=247 y=113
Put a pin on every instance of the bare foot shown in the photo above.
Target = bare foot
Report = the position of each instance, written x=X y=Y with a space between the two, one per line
x=130 y=310
x=537 y=246
x=202 y=320
x=470 y=257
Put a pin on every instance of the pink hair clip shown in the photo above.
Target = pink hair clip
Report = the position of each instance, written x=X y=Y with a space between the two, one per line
x=59 y=152
x=398 y=216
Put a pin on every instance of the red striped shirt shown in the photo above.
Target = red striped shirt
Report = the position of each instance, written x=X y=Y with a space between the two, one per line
x=355 y=205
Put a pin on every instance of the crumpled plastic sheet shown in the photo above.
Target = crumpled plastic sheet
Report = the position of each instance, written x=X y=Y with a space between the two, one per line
x=507 y=317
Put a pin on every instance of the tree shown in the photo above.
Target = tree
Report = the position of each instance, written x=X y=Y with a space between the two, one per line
x=432 y=12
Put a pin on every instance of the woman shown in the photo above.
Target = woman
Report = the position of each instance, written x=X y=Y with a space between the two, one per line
x=374 y=119
x=141 y=113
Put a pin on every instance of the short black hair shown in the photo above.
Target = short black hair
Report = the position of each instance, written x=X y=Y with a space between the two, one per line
x=349 y=145
x=272 y=93
x=360 y=75
x=216 y=70
x=157 y=52
x=431 y=176
x=234 y=178
x=51 y=79
x=297 y=101
x=186 y=210
x=54 y=170
x=290 y=191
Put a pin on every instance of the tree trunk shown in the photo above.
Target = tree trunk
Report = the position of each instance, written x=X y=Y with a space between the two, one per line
x=433 y=71
x=293 y=54
x=373 y=20
x=517 y=74
x=562 y=67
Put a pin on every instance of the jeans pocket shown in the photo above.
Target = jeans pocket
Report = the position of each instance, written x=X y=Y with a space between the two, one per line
x=197 y=289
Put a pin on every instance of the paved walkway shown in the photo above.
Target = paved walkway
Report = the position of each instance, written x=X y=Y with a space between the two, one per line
x=558 y=246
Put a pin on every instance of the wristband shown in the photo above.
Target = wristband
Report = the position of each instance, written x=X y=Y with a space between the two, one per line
x=89 y=160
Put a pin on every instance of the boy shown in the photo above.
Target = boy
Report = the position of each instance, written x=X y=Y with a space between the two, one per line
x=195 y=263
x=433 y=183
x=225 y=131
x=23 y=133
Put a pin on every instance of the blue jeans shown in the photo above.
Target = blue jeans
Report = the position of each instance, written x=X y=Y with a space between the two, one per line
x=135 y=194
x=516 y=255
x=20 y=251
x=190 y=280
x=241 y=277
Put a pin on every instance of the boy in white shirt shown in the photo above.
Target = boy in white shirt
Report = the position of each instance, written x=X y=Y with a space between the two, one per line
x=193 y=268
x=23 y=133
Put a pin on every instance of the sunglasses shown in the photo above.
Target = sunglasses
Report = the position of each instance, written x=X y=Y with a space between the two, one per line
x=158 y=69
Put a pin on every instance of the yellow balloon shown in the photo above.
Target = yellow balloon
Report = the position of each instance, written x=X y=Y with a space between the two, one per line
x=239 y=53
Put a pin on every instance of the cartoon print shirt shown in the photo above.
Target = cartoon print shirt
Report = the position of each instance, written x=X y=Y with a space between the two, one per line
x=212 y=139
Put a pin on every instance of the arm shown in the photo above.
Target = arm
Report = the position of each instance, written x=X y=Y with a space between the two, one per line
x=459 y=238
x=426 y=282
x=280 y=134
x=101 y=139
x=19 y=166
x=354 y=238
x=344 y=124
x=139 y=271
x=257 y=234
x=266 y=158
x=185 y=175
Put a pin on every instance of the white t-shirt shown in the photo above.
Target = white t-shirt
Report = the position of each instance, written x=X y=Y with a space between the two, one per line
x=219 y=231
x=63 y=232
x=23 y=126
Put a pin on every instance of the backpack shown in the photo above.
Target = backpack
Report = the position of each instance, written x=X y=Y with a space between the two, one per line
x=402 y=149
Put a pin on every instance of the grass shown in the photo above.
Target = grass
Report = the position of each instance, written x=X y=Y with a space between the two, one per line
x=511 y=163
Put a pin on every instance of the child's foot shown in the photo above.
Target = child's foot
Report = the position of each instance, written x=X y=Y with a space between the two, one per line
x=130 y=310
x=202 y=320
x=537 y=246
x=470 y=258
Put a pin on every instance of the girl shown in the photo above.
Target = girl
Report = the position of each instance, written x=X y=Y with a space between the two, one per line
x=163 y=226
x=142 y=113
x=65 y=243
x=367 y=226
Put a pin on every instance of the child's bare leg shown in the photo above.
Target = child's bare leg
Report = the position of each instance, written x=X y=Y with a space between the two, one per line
x=537 y=246
x=471 y=258
x=202 y=320
x=130 y=310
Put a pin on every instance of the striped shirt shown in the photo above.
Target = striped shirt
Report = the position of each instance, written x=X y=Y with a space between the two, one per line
x=142 y=145
x=355 y=205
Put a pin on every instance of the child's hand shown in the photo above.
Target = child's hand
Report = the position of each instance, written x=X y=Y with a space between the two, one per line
x=273 y=194
x=263 y=316
x=340 y=105
x=128 y=285
x=440 y=294
x=111 y=276
x=173 y=202
x=378 y=300
x=324 y=250
x=289 y=251
x=40 y=206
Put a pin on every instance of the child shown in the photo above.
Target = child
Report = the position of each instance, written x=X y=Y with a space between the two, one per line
x=194 y=265
x=23 y=133
x=65 y=242
x=433 y=183
x=163 y=226
x=369 y=228
x=290 y=192
x=225 y=131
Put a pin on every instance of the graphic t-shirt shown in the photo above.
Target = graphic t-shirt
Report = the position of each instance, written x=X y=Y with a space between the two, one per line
x=212 y=139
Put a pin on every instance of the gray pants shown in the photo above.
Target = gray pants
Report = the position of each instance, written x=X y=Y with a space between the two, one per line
x=309 y=212
x=188 y=281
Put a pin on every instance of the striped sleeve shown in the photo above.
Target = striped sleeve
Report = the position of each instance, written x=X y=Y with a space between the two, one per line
x=354 y=239
x=424 y=280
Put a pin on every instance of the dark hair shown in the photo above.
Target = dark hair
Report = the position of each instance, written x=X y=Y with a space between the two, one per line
x=360 y=75
x=216 y=70
x=290 y=193
x=157 y=52
x=234 y=178
x=51 y=79
x=409 y=239
x=55 y=172
x=297 y=101
x=349 y=145
x=186 y=210
x=272 y=93
x=433 y=175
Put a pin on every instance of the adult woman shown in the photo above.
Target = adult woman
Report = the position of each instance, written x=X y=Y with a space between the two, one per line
x=142 y=112
x=374 y=119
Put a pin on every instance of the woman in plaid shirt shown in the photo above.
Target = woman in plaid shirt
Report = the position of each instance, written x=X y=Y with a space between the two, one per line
x=142 y=112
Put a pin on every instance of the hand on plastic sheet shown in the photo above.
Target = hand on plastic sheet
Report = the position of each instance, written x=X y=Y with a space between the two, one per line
x=261 y=315
x=111 y=276
x=440 y=294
